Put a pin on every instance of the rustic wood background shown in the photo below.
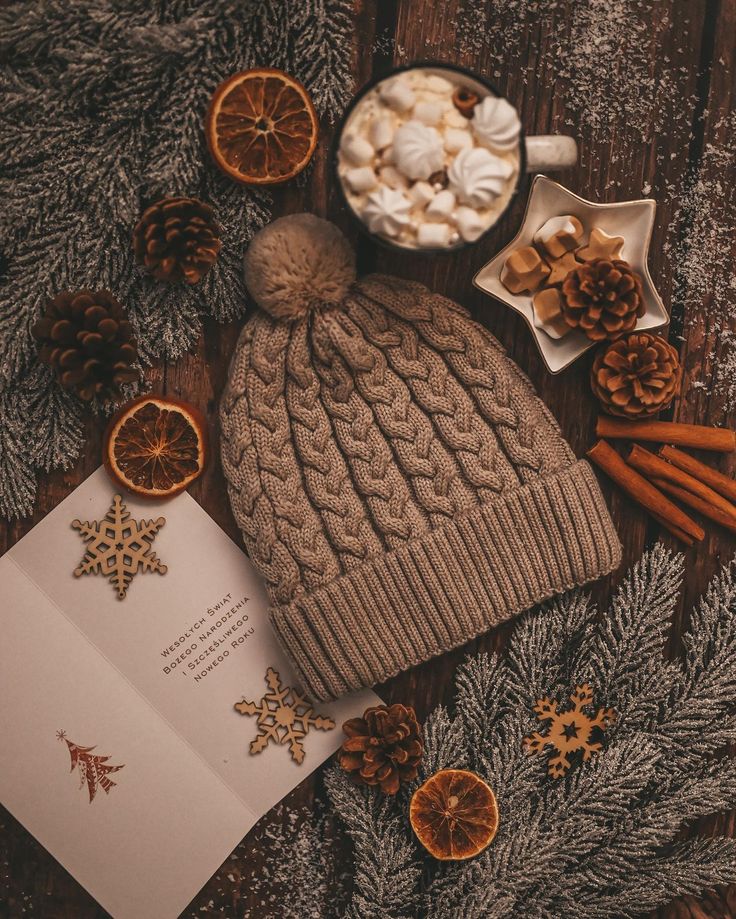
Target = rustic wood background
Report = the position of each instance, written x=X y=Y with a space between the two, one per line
x=699 y=47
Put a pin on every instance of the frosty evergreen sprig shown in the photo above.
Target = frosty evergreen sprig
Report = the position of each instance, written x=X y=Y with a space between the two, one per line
x=601 y=842
x=101 y=111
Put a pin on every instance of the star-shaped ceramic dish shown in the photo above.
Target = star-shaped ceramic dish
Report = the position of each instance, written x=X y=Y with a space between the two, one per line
x=634 y=220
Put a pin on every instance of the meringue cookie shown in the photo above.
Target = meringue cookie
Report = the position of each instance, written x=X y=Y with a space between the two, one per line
x=433 y=235
x=496 y=123
x=478 y=177
x=418 y=150
x=470 y=224
x=361 y=179
x=356 y=149
x=381 y=132
x=386 y=211
x=397 y=94
x=441 y=206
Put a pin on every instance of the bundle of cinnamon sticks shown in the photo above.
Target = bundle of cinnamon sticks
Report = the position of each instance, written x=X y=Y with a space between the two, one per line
x=651 y=479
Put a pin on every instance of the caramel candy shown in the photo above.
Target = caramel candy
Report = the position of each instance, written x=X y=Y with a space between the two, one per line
x=548 y=312
x=559 y=234
x=524 y=269
x=601 y=245
x=561 y=267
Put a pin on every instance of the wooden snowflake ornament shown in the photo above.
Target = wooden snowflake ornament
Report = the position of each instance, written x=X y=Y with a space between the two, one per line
x=118 y=547
x=284 y=717
x=569 y=730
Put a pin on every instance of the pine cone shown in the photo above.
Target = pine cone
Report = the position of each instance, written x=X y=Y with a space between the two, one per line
x=719 y=903
x=86 y=338
x=603 y=298
x=636 y=376
x=384 y=747
x=177 y=239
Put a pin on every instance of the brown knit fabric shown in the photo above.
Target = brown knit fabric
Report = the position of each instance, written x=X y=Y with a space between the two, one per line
x=397 y=481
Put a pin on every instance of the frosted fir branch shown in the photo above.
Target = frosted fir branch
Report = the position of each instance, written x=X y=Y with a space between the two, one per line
x=624 y=643
x=386 y=866
x=101 y=112
x=619 y=814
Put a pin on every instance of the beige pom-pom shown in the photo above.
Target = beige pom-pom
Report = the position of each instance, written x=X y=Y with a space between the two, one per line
x=298 y=263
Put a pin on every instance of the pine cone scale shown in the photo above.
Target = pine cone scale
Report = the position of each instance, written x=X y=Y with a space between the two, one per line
x=383 y=747
x=177 y=239
x=603 y=298
x=636 y=376
x=87 y=340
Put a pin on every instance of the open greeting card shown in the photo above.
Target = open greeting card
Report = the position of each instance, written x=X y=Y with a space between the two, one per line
x=143 y=736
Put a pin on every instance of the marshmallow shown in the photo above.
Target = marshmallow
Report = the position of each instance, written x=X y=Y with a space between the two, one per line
x=441 y=206
x=433 y=235
x=357 y=149
x=421 y=193
x=436 y=84
x=457 y=139
x=361 y=179
x=428 y=112
x=397 y=94
x=453 y=119
x=469 y=223
x=391 y=176
x=381 y=132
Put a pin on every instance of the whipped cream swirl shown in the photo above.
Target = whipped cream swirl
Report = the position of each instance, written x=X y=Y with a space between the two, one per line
x=386 y=211
x=496 y=124
x=478 y=177
x=418 y=150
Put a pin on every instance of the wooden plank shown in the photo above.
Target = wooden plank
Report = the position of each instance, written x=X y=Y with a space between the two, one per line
x=680 y=41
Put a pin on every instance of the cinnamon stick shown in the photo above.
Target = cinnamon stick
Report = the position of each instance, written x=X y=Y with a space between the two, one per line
x=654 y=467
x=703 y=507
x=719 y=482
x=719 y=440
x=643 y=492
x=680 y=534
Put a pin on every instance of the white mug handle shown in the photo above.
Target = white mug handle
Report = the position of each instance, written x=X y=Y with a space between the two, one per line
x=548 y=152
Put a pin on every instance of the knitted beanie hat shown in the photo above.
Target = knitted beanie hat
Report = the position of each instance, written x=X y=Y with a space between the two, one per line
x=398 y=483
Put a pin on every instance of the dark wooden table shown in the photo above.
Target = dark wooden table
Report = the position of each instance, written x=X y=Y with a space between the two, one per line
x=686 y=48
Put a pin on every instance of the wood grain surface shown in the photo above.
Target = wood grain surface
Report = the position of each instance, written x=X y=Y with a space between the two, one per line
x=697 y=52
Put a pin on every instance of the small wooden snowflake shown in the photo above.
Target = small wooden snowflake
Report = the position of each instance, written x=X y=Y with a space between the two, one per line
x=119 y=547
x=284 y=717
x=569 y=730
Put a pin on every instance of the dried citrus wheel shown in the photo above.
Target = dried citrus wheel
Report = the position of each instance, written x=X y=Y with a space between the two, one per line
x=454 y=814
x=155 y=446
x=261 y=127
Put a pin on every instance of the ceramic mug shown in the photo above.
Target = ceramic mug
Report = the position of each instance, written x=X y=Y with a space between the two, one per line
x=541 y=153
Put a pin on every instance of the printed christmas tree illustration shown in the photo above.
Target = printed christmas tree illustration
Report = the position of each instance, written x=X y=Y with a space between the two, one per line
x=93 y=769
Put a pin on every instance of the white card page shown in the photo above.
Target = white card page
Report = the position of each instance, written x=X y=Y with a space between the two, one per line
x=150 y=682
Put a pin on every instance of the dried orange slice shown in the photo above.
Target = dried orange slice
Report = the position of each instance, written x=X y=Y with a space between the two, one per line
x=261 y=127
x=454 y=814
x=156 y=446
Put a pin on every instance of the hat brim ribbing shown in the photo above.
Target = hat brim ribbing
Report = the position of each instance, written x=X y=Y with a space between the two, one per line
x=451 y=585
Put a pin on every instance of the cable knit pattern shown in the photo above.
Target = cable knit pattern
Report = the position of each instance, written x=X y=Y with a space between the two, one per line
x=501 y=392
x=326 y=473
x=432 y=471
x=464 y=431
x=397 y=481
x=297 y=524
